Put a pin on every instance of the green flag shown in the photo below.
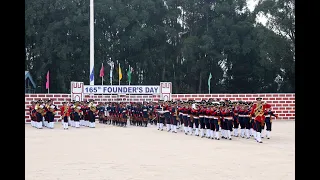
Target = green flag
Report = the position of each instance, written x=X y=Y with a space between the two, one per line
x=210 y=76
x=129 y=75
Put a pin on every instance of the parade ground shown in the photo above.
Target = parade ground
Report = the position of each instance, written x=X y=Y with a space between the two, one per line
x=137 y=153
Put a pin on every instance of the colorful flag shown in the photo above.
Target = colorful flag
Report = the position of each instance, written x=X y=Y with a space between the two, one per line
x=210 y=77
x=92 y=75
x=129 y=74
x=102 y=71
x=47 y=83
x=120 y=73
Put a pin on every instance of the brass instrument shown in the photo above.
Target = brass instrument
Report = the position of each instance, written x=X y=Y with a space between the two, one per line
x=66 y=110
x=176 y=114
x=92 y=107
x=259 y=110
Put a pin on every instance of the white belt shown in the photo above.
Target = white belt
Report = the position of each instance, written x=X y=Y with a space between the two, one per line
x=184 y=114
x=229 y=118
x=210 y=117
x=180 y=113
x=145 y=110
x=268 y=115
x=200 y=116
x=205 y=116
x=188 y=115
x=215 y=117
x=240 y=115
x=246 y=115
x=196 y=117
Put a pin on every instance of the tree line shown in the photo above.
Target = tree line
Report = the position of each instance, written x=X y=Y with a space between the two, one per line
x=179 y=41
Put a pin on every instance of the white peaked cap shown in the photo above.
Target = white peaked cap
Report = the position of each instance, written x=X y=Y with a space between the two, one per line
x=78 y=107
x=52 y=106
x=41 y=106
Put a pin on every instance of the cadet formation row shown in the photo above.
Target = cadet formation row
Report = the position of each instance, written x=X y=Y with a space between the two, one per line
x=205 y=119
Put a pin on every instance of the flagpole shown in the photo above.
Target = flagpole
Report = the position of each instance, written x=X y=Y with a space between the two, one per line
x=91 y=40
x=119 y=73
x=129 y=80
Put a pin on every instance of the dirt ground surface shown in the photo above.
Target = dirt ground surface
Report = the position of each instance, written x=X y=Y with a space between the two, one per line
x=137 y=153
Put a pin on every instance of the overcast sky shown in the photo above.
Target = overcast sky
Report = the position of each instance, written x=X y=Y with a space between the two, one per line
x=251 y=5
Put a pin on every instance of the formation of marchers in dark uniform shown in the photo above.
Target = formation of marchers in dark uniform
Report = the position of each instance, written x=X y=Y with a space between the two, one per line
x=73 y=114
x=42 y=114
x=212 y=119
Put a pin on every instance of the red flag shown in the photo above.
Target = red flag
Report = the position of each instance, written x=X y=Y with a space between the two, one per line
x=47 y=83
x=102 y=71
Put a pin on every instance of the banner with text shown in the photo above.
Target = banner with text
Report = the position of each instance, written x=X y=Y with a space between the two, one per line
x=97 y=89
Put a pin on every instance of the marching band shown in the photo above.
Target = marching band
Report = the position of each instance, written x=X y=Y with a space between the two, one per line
x=204 y=119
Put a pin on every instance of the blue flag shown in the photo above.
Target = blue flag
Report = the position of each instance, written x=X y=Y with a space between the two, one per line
x=92 y=75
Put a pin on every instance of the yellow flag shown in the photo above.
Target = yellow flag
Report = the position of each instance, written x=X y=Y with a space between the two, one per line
x=120 y=73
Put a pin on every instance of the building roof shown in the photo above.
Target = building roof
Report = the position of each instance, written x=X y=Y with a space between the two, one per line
x=28 y=75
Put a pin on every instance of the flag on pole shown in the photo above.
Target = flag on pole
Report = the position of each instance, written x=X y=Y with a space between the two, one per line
x=120 y=73
x=47 y=83
x=92 y=75
x=129 y=74
x=210 y=77
x=111 y=64
x=102 y=71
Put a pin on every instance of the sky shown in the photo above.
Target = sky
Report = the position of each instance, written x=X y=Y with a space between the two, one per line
x=251 y=5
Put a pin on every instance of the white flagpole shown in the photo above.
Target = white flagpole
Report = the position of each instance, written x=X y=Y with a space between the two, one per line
x=91 y=39
x=130 y=75
x=129 y=81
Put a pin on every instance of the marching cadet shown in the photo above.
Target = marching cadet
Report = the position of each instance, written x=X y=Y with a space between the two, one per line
x=161 y=116
x=85 y=111
x=39 y=115
x=190 y=118
x=132 y=114
x=151 y=113
x=211 y=121
x=241 y=119
x=167 y=115
x=268 y=122
x=223 y=121
x=145 y=114
x=202 y=114
x=228 y=116
x=32 y=113
x=185 y=118
x=92 y=114
x=180 y=109
x=46 y=109
x=101 y=114
x=207 y=121
x=174 y=117
x=76 y=114
x=72 y=114
x=65 y=112
x=195 y=113
x=113 y=113
x=216 y=120
x=258 y=110
x=107 y=114
x=246 y=119
x=236 y=109
x=50 y=114
x=125 y=116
